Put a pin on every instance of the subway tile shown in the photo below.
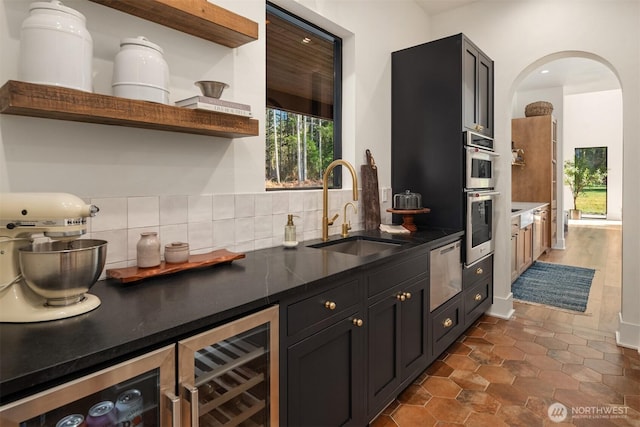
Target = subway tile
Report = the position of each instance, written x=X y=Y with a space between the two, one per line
x=244 y=230
x=280 y=202
x=143 y=212
x=224 y=206
x=263 y=204
x=116 y=244
x=224 y=234
x=200 y=209
x=112 y=214
x=174 y=210
x=173 y=233
x=263 y=227
x=200 y=236
x=244 y=205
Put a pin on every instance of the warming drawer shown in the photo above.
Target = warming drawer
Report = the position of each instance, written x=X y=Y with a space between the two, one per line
x=446 y=273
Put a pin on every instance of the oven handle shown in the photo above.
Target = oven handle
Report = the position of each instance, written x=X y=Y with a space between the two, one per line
x=483 y=193
x=480 y=150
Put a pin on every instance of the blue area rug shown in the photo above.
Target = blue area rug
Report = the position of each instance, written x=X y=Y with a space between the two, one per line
x=557 y=285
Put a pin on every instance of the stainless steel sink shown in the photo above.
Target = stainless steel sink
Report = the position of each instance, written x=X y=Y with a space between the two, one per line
x=358 y=245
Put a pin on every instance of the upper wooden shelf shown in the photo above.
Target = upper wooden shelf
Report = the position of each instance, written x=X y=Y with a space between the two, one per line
x=196 y=17
x=53 y=102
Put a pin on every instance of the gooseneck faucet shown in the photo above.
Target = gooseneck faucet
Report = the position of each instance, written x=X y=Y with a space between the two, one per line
x=325 y=194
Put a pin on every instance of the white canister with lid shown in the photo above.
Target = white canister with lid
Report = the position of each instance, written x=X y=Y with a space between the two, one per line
x=56 y=47
x=140 y=71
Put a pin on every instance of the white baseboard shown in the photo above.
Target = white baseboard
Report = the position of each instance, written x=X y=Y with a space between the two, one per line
x=628 y=334
x=502 y=307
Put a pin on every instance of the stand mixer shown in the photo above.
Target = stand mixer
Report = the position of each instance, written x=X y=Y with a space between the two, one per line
x=47 y=281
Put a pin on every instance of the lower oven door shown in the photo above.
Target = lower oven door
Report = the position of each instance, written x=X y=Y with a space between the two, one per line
x=479 y=235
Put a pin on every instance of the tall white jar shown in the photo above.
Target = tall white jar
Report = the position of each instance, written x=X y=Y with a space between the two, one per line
x=148 y=250
x=140 y=71
x=56 y=47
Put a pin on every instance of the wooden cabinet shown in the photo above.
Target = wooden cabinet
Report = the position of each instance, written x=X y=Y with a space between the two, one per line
x=536 y=181
x=525 y=248
x=324 y=358
x=541 y=232
x=439 y=90
x=196 y=17
x=396 y=329
x=478 y=90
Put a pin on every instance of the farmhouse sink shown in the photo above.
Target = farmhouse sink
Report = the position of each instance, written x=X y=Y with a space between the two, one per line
x=358 y=245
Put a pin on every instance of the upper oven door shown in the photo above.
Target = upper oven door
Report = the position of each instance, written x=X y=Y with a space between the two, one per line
x=473 y=139
x=480 y=169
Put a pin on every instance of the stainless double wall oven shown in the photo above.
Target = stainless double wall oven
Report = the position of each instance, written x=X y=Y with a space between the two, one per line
x=480 y=196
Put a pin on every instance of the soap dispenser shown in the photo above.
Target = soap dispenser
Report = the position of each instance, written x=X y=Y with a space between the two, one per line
x=290 y=239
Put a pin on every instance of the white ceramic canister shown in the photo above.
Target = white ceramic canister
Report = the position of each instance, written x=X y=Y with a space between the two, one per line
x=148 y=250
x=176 y=252
x=140 y=71
x=56 y=47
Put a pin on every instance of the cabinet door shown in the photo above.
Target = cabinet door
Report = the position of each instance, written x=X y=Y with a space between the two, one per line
x=325 y=376
x=538 y=232
x=150 y=378
x=229 y=374
x=477 y=91
x=525 y=248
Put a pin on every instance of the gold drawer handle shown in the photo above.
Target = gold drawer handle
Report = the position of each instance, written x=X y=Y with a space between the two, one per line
x=478 y=297
x=447 y=322
x=479 y=127
x=358 y=322
x=330 y=305
x=479 y=270
x=408 y=295
x=401 y=297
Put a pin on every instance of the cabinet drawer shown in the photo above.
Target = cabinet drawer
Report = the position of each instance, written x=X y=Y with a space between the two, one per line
x=446 y=323
x=477 y=272
x=323 y=306
x=387 y=277
x=475 y=297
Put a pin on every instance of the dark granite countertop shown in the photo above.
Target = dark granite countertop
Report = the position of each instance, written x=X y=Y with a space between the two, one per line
x=141 y=316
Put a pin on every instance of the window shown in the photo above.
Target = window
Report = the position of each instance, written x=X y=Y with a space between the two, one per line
x=303 y=102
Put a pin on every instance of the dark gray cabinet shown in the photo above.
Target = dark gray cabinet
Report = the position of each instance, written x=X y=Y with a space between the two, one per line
x=439 y=90
x=477 y=288
x=323 y=357
x=477 y=90
x=396 y=328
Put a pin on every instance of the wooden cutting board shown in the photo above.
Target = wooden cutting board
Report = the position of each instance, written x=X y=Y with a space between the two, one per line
x=370 y=194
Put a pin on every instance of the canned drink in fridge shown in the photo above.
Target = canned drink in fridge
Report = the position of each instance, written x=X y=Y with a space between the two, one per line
x=102 y=414
x=75 y=420
x=129 y=407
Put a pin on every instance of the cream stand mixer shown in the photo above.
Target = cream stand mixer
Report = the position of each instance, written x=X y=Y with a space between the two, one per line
x=35 y=283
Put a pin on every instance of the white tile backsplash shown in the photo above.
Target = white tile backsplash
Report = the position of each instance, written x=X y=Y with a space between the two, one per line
x=236 y=222
x=174 y=210
x=143 y=212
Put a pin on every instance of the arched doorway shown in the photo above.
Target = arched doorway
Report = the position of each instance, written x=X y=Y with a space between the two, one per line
x=578 y=84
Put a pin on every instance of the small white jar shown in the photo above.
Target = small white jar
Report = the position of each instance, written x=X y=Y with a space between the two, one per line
x=56 y=47
x=140 y=71
x=176 y=252
x=148 y=250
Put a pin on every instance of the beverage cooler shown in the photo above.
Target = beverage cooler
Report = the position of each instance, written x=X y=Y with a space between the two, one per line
x=228 y=376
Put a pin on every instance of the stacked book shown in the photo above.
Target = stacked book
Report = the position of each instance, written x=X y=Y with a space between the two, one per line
x=215 y=104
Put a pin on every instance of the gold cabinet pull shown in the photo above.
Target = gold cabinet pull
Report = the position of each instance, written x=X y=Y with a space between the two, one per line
x=478 y=297
x=401 y=296
x=479 y=127
x=408 y=295
x=358 y=322
x=447 y=323
x=479 y=270
x=330 y=305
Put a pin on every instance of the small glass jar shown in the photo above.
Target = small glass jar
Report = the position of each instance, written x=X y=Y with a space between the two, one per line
x=148 y=250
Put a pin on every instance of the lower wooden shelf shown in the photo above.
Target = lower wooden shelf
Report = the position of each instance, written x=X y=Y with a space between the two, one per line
x=54 y=102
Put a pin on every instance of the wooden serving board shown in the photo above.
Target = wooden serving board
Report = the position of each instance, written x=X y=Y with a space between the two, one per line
x=132 y=274
x=370 y=194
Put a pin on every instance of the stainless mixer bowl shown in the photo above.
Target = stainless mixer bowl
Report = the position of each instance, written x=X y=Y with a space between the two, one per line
x=211 y=88
x=63 y=271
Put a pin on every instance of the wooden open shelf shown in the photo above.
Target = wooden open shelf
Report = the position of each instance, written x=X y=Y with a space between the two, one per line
x=54 y=102
x=196 y=17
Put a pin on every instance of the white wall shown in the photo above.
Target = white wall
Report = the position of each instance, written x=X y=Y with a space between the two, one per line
x=519 y=36
x=595 y=120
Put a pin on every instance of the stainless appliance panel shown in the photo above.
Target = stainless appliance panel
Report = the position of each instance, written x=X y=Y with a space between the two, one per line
x=473 y=139
x=479 y=231
x=445 y=273
x=480 y=169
